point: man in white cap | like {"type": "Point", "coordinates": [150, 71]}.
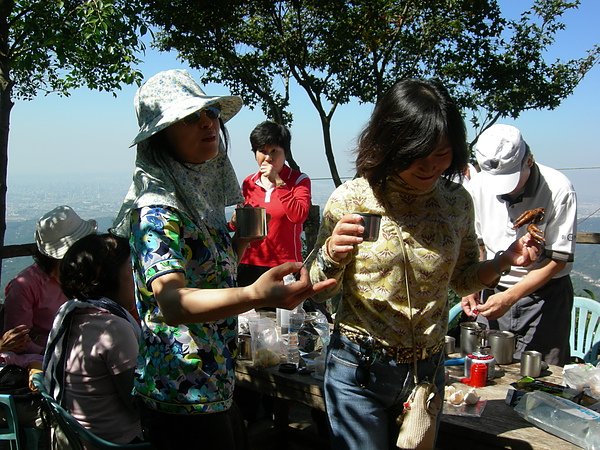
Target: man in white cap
{"type": "Point", "coordinates": [533, 302]}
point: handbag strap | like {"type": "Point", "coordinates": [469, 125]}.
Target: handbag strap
{"type": "Point", "coordinates": [410, 310]}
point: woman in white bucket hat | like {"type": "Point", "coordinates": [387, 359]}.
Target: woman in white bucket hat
{"type": "Point", "coordinates": [185, 265]}
{"type": "Point", "coordinates": [35, 294]}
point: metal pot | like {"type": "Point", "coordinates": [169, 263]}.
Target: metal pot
{"type": "Point", "coordinates": [472, 337]}
{"type": "Point", "coordinates": [502, 344]}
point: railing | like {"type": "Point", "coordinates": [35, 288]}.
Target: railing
{"type": "Point", "coordinates": [14, 251]}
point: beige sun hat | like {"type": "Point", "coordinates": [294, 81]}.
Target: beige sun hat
{"type": "Point", "coordinates": [170, 96]}
{"type": "Point", "coordinates": [60, 228]}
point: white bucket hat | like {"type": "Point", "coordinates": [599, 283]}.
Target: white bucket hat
{"type": "Point", "coordinates": [500, 151]}
{"type": "Point", "coordinates": [170, 96]}
{"type": "Point", "coordinates": [60, 228]}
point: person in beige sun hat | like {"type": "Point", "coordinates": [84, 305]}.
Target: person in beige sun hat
{"type": "Point", "coordinates": [35, 294]}
{"type": "Point", "coordinates": [185, 265]}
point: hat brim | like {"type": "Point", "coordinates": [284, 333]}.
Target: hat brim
{"type": "Point", "coordinates": [58, 248]}
{"type": "Point", "coordinates": [500, 184]}
{"type": "Point", "coordinates": [230, 106]}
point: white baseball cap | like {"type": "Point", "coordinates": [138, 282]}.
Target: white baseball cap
{"type": "Point", "coordinates": [500, 151]}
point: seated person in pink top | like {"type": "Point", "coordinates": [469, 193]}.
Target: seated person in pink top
{"type": "Point", "coordinates": [93, 346]}
{"type": "Point", "coordinates": [284, 192]}
{"type": "Point", "coordinates": [34, 295]}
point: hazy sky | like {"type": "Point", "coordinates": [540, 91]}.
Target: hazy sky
{"type": "Point", "coordinates": [89, 132]}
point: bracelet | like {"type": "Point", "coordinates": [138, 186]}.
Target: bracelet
{"type": "Point", "coordinates": [325, 262]}
{"type": "Point", "coordinates": [496, 264]}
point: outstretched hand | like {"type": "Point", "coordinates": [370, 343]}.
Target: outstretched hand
{"type": "Point", "coordinates": [274, 293]}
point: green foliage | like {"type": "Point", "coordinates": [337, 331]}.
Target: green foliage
{"type": "Point", "coordinates": [60, 45]}
{"type": "Point", "coordinates": [514, 76]}
{"type": "Point", "coordinates": [337, 50]}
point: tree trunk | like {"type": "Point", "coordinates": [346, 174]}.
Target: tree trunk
{"type": "Point", "coordinates": [6, 105]}
{"type": "Point", "coordinates": [326, 125]}
{"type": "Point", "coordinates": [311, 227]}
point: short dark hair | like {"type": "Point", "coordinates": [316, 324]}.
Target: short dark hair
{"type": "Point", "coordinates": [45, 262]}
{"type": "Point", "coordinates": [270, 133]}
{"type": "Point", "coordinates": [90, 268]}
{"type": "Point", "coordinates": [408, 123]}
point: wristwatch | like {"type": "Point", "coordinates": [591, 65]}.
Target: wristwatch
{"type": "Point", "coordinates": [496, 264]}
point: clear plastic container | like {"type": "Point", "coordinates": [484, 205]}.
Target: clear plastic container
{"type": "Point", "coordinates": [561, 417]}
{"type": "Point", "coordinates": [293, 351]}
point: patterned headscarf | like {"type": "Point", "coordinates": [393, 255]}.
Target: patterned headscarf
{"type": "Point", "coordinates": [202, 191]}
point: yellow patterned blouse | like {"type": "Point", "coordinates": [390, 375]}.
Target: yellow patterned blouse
{"type": "Point", "coordinates": [436, 229]}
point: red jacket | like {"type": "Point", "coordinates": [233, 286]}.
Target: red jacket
{"type": "Point", "coordinates": [287, 209]}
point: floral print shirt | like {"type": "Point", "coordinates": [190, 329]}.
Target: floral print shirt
{"type": "Point", "coordinates": [183, 369]}
{"type": "Point", "coordinates": [432, 230]}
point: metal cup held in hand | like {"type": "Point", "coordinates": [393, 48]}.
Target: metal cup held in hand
{"type": "Point", "coordinates": [251, 222]}
{"type": "Point", "coordinates": [371, 223]}
{"type": "Point", "coordinates": [531, 363]}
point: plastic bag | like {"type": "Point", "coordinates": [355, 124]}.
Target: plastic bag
{"type": "Point", "coordinates": [583, 377]}
{"type": "Point", "coordinates": [314, 333]}
{"type": "Point", "coordinates": [244, 320]}
{"type": "Point", "coordinates": [267, 346]}
{"type": "Point", "coordinates": [561, 417]}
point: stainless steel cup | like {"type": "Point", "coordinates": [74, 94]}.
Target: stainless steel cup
{"type": "Point", "coordinates": [371, 222]}
{"type": "Point", "coordinates": [245, 346]}
{"type": "Point", "coordinates": [449, 345]}
{"type": "Point", "coordinates": [531, 363]}
{"type": "Point", "coordinates": [251, 222]}
{"type": "Point", "coordinates": [502, 345]}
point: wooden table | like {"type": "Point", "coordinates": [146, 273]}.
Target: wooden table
{"type": "Point", "coordinates": [299, 388]}
{"type": "Point", "coordinates": [498, 427]}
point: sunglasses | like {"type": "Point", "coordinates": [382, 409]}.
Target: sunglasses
{"type": "Point", "coordinates": [212, 112]}
{"type": "Point", "coordinates": [362, 375]}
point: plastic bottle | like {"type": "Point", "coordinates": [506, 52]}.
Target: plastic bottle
{"type": "Point", "coordinates": [296, 319]}
{"type": "Point", "coordinates": [283, 315]}
{"type": "Point", "coordinates": [293, 351]}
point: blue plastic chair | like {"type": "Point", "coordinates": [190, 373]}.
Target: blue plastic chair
{"type": "Point", "coordinates": [11, 433]}
{"type": "Point", "coordinates": [454, 312]}
{"type": "Point", "coordinates": [585, 329]}
{"type": "Point", "coordinates": [78, 436]}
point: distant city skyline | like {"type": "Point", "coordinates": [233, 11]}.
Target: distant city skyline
{"type": "Point", "coordinates": [100, 201]}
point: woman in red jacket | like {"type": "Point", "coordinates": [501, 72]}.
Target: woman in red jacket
{"type": "Point", "coordinates": [284, 192]}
